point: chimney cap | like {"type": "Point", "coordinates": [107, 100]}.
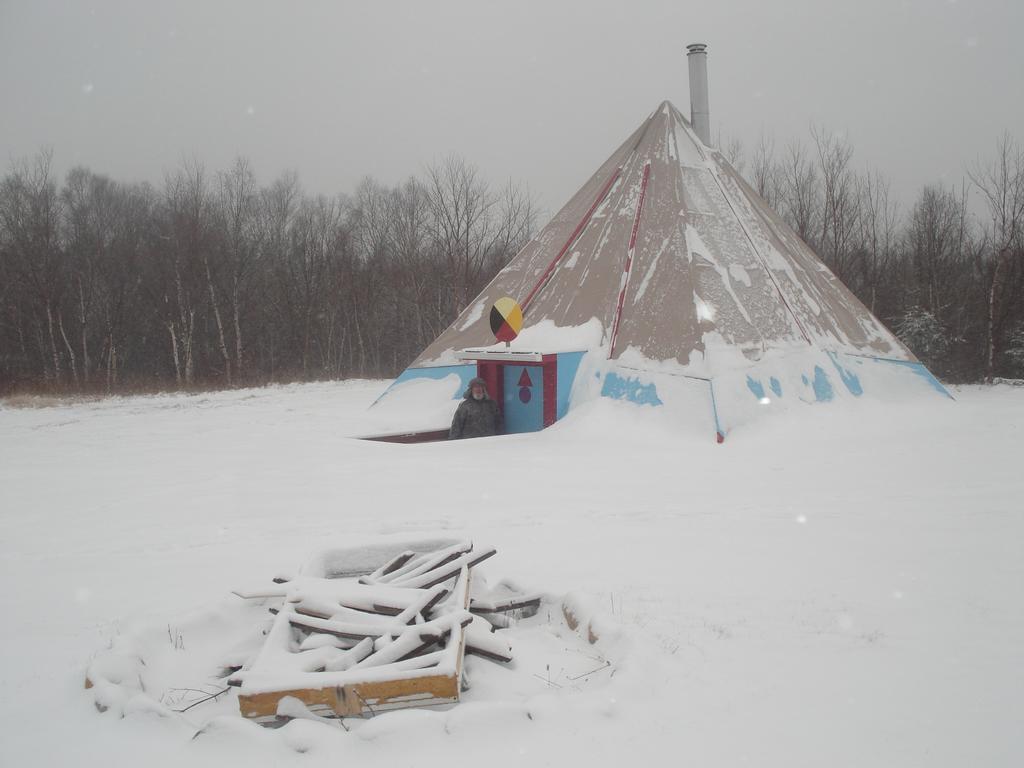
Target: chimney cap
{"type": "Point", "coordinates": [696, 48]}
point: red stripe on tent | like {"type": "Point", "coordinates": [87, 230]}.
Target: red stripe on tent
{"type": "Point", "coordinates": [629, 258]}
{"type": "Point", "coordinates": [572, 239]}
{"type": "Point", "coordinates": [639, 206]}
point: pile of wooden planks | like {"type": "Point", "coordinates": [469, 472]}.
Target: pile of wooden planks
{"type": "Point", "coordinates": [392, 638]}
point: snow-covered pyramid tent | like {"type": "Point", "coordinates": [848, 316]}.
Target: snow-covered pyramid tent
{"type": "Point", "coordinates": [666, 278]}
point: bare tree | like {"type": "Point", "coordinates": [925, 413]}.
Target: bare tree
{"type": "Point", "coordinates": [277, 209]}
{"type": "Point", "coordinates": [878, 233]}
{"type": "Point", "coordinates": [765, 171]}
{"type": "Point", "coordinates": [120, 277]}
{"type": "Point", "coordinates": [840, 208]}
{"type": "Point", "coordinates": [1001, 184]}
{"type": "Point", "coordinates": [30, 215]}
{"type": "Point", "coordinates": [315, 245]}
{"type": "Point", "coordinates": [413, 257]}
{"type": "Point", "coordinates": [238, 225]}
{"type": "Point", "coordinates": [473, 228]}
{"type": "Point", "coordinates": [92, 208]}
{"type": "Point", "coordinates": [800, 192]}
{"type": "Point", "coordinates": [462, 206]}
{"type": "Point", "coordinates": [186, 247]}
{"type": "Point", "coordinates": [934, 239]}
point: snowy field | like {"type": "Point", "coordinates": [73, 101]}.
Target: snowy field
{"type": "Point", "coordinates": [839, 586]}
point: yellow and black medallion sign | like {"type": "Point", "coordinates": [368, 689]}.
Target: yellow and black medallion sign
{"type": "Point", "coordinates": [506, 319]}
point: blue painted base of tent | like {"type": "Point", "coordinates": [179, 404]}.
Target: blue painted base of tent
{"type": "Point", "coordinates": [728, 400]}
{"type": "Point", "coordinates": [738, 397]}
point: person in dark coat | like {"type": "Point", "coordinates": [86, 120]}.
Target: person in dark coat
{"type": "Point", "coordinates": [477, 415]}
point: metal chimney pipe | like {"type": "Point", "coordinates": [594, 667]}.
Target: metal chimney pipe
{"type": "Point", "coordinates": [700, 114]}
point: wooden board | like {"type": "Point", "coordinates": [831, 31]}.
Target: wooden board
{"type": "Point", "coordinates": [369, 698]}
{"type": "Point", "coordinates": [358, 699]}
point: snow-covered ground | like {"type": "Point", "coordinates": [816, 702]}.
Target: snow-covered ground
{"type": "Point", "coordinates": [840, 586]}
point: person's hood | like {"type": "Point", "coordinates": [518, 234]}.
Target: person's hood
{"type": "Point", "coordinates": [468, 394]}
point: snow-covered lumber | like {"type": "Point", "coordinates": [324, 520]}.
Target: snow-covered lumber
{"type": "Point", "coordinates": [391, 565]}
{"type": "Point", "coordinates": [351, 657]}
{"type": "Point", "coordinates": [417, 565]}
{"type": "Point", "coordinates": [504, 606]}
{"type": "Point", "coordinates": [445, 571]}
{"type": "Point", "coordinates": [336, 628]}
{"type": "Point", "coordinates": [415, 639]}
{"type": "Point", "coordinates": [482, 640]}
{"type": "Point", "coordinates": [342, 648]}
{"type": "Point", "coordinates": [262, 591]}
{"type": "Point", "coordinates": [430, 598]}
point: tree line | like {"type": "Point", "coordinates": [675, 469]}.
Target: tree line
{"type": "Point", "coordinates": [214, 280]}
{"type": "Point", "coordinates": [211, 279]}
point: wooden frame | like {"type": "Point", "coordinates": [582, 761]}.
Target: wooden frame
{"type": "Point", "coordinates": [415, 679]}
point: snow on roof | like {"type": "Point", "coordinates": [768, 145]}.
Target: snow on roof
{"type": "Point", "coordinates": [711, 260]}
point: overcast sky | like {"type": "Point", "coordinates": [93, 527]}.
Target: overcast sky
{"type": "Point", "coordinates": [541, 92]}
